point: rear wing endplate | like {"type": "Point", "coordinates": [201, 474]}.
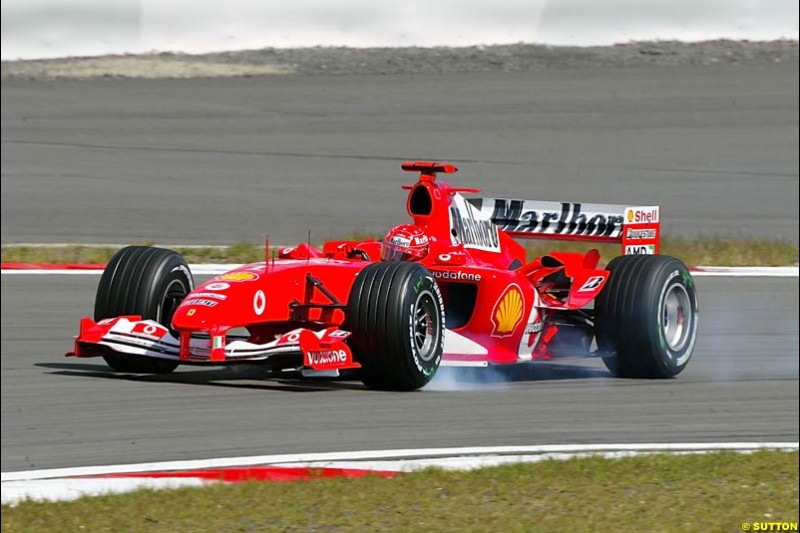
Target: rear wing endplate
{"type": "Point", "coordinates": [637, 228]}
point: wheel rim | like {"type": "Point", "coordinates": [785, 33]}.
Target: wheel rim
{"type": "Point", "coordinates": [173, 296]}
{"type": "Point", "coordinates": [676, 317]}
{"type": "Point", "coordinates": [424, 326]}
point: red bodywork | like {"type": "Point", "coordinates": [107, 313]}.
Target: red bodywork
{"type": "Point", "coordinates": [290, 312]}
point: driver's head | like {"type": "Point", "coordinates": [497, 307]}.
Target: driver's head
{"type": "Point", "coordinates": [406, 242]}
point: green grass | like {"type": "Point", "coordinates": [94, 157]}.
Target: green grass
{"type": "Point", "coordinates": [706, 251]}
{"type": "Point", "coordinates": [709, 493]}
{"type": "Point", "coordinates": [236, 253]}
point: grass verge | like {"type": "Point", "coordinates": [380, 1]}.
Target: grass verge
{"type": "Point", "coordinates": [714, 492]}
{"type": "Point", "coordinates": [708, 251]}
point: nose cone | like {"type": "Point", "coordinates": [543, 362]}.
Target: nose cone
{"type": "Point", "coordinates": [191, 318]}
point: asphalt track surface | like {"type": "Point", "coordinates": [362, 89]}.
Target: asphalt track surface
{"type": "Point", "coordinates": [741, 385]}
{"type": "Point", "coordinates": [226, 160]}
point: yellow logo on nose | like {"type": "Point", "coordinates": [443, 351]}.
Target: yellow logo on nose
{"type": "Point", "coordinates": [238, 276]}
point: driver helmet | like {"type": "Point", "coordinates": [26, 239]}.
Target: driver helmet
{"type": "Point", "coordinates": [406, 242]}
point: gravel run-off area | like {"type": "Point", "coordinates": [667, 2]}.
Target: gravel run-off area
{"type": "Point", "coordinates": [411, 60]}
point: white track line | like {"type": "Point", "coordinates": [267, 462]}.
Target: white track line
{"type": "Point", "coordinates": [218, 268]}
{"type": "Point", "coordinates": [48, 272]}
{"type": "Point", "coordinates": [14, 492]}
{"type": "Point", "coordinates": [411, 453]}
{"type": "Point", "coordinates": [776, 272]}
{"type": "Point", "coordinates": [114, 245]}
{"type": "Point", "coordinates": [62, 484]}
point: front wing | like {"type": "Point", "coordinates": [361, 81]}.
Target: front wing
{"type": "Point", "coordinates": [130, 335]}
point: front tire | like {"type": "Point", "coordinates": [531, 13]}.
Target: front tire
{"type": "Point", "coordinates": [647, 314]}
{"type": "Point", "coordinates": [146, 281]}
{"type": "Point", "coordinates": [396, 315]}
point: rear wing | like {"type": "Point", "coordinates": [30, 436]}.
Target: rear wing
{"type": "Point", "coordinates": [637, 228]}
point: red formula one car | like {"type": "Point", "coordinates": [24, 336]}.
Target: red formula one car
{"type": "Point", "coordinates": [453, 288]}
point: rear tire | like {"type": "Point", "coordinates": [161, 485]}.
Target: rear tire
{"type": "Point", "coordinates": [395, 312]}
{"type": "Point", "coordinates": [146, 281]}
{"type": "Point", "coordinates": [647, 314]}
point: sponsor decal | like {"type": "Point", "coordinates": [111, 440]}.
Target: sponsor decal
{"type": "Point", "coordinates": [293, 337]}
{"type": "Point", "coordinates": [327, 357]}
{"type": "Point", "coordinates": [238, 276]}
{"type": "Point", "coordinates": [219, 286]}
{"type": "Point", "coordinates": [144, 343]}
{"type": "Point", "coordinates": [430, 370]}
{"type": "Point", "coordinates": [591, 283]}
{"type": "Point", "coordinates": [200, 301]}
{"type": "Point", "coordinates": [456, 258]}
{"type": "Point", "coordinates": [259, 303]}
{"type": "Point", "coordinates": [339, 334]}
{"type": "Point", "coordinates": [470, 227]}
{"type": "Point", "coordinates": [507, 313]}
{"type": "Point", "coordinates": [551, 218]}
{"type": "Point", "coordinates": [191, 312]}
{"type": "Point", "coordinates": [418, 285]}
{"type": "Point", "coordinates": [532, 332]}
{"type": "Point", "coordinates": [213, 295]}
{"type": "Point", "coordinates": [399, 240]}
{"type": "Point", "coordinates": [639, 234]}
{"type": "Point", "coordinates": [456, 275]}
{"type": "Point", "coordinates": [536, 327]}
{"type": "Point", "coordinates": [530, 336]}
{"type": "Point", "coordinates": [642, 215]}
{"type": "Point", "coordinates": [647, 249]}
{"type": "Point", "coordinates": [151, 330]}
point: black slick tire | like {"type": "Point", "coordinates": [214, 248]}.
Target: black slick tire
{"type": "Point", "coordinates": [146, 281]}
{"type": "Point", "coordinates": [647, 316]}
{"type": "Point", "coordinates": [395, 312]}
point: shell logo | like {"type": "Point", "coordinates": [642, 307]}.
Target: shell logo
{"type": "Point", "coordinates": [630, 215]}
{"type": "Point", "coordinates": [238, 276]}
{"type": "Point", "coordinates": [508, 310]}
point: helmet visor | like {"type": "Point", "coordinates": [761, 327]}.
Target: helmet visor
{"type": "Point", "coordinates": [395, 252]}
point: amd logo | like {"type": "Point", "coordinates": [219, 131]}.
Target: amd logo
{"type": "Point", "coordinates": [640, 250]}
